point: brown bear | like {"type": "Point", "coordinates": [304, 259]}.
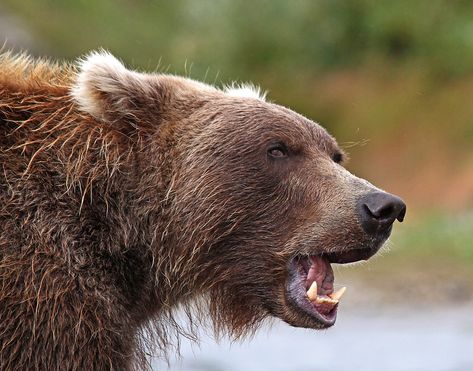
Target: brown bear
{"type": "Point", "coordinates": [124, 196]}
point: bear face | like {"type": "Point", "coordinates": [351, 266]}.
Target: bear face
{"type": "Point", "coordinates": [258, 204]}
{"type": "Point", "coordinates": [274, 192]}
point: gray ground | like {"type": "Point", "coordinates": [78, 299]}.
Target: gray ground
{"type": "Point", "coordinates": [377, 338]}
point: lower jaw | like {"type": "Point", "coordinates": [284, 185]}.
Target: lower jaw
{"type": "Point", "coordinates": [308, 318]}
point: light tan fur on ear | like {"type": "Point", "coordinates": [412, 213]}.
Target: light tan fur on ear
{"type": "Point", "coordinates": [105, 88]}
{"type": "Point", "coordinates": [130, 100]}
{"type": "Point", "coordinates": [100, 73]}
{"type": "Point", "coordinates": [245, 90]}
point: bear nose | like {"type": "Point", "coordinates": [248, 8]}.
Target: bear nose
{"type": "Point", "coordinates": [379, 210]}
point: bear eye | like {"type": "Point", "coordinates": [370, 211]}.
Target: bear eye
{"type": "Point", "coordinates": [277, 151]}
{"type": "Point", "coordinates": [337, 157]}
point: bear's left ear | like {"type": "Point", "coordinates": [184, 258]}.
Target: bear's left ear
{"type": "Point", "coordinates": [105, 89]}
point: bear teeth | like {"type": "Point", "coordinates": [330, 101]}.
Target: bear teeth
{"type": "Point", "coordinates": [325, 300]}
{"type": "Point", "coordinates": [332, 299]}
{"type": "Point", "coordinates": [338, 294]}
{"type": "Point", "coordinates": [312, 292]}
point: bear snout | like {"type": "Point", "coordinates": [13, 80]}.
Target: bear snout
{"type": "Point", "coordinates": [377, 211]}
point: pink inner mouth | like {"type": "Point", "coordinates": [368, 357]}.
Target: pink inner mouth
{"type": "Point", "coordinates": [310, 289]}
{"type": "Point", "coordinates": [319, 270]}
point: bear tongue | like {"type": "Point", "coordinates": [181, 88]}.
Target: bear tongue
{"type": "Point", "coordinates": [321, 272]}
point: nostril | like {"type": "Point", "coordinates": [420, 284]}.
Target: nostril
{"type": "Point", "coordinates": [367, 211]}
{"type": "Point", "coordinates": [370, 213]}
{"type": "Point", "coordinates": [379, 210]}
{"type": "Point", "coordinates": [386, 212]}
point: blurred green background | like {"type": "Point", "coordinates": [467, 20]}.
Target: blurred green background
{"type": "Point", "coordinates": [392, 80]}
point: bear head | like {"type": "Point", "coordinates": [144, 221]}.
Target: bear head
{"type": "Point", "coordinates": [251, 203]}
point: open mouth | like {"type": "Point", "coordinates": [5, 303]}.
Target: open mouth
{"type": "Point", "coordinates": [311, 283]}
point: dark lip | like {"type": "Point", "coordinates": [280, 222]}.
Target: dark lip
{"type": "Point", "coordinates": [358, 254]}
{"type": "Point", "coordinates": [350, 256]}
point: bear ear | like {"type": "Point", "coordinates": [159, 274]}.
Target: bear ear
{"type": "Point", "coordinates": [108, 91]}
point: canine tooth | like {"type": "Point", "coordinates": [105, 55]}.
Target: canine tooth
{"type": "Point", "coordinates": [312, 292]}
{"type": "Point", "coordinates": [338, 294]}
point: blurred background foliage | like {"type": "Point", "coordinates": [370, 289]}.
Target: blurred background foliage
{"type": "Point", "coordinates": [392, 80]}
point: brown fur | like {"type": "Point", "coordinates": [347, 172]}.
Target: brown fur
{"type": "Point", "coordinates": [159, 197]}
